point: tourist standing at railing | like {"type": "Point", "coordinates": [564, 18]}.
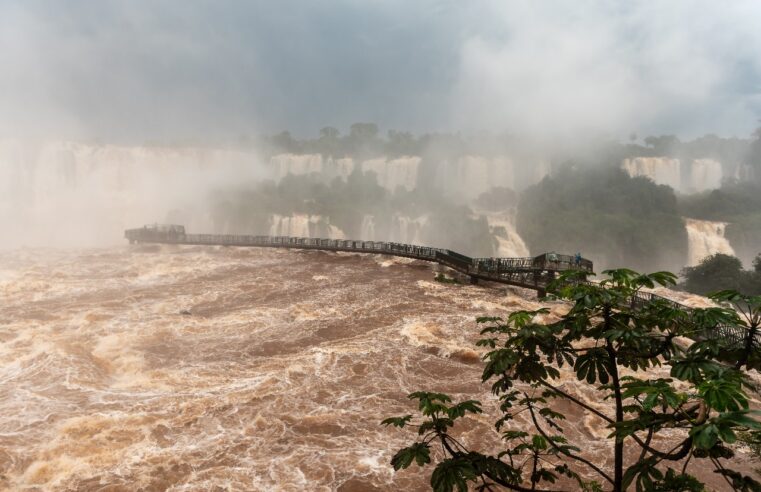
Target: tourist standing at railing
{"type": "Point", "coordinates": [578, 260]}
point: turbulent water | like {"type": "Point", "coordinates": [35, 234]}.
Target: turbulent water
{"type": "Point", "coordinates": [706, 238]}
{"type": "Point", "coordinates": [190, 368]}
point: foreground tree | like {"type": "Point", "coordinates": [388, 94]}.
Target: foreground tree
{"type": "Point", "coordinates": [612, 340]}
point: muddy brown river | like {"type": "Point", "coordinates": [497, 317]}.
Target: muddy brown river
{"type": "Point", "coordinates": [210, 368]}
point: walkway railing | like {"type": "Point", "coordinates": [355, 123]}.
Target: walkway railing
{"type": "Point", "coordinates": [529, 272]}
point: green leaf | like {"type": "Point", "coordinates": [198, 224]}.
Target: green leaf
{"type": "Point", "coordinates": [453, 473]}
{"type": "Point", "coordinates": [397, 421]}
{"type": "Point", "coordinates": [459, 410]}
{"type": "Point", "coordinates": [419, 453]}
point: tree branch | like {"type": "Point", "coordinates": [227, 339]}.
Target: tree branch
{"type": "Point", "coordinates": [566, 453]}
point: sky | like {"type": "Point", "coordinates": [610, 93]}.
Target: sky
{"type": "Point", "coordinates": [143, 70]}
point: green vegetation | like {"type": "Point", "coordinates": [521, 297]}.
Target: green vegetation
{"type": "Point", "coordinates": [701, 407]}
{"type": "Point", "coordinates": [607, 216]}
{"type": "Point", "coordinates": [722, 272]}
{"type": "Point", "coordinates": [739, 204]}
{"type": "Point", "coordinates": [346, 203]}
{"type": "Point", "coordinates": [440, 277]}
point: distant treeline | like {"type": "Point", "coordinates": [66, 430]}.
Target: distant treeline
{"type": "Point", "coordinates": [366, 140]}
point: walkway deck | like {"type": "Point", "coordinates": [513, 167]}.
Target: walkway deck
{"type": "Point", "coordinates": [529, 272]}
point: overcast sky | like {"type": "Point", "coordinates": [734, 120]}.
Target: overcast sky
{"type": "Point", "coordinates": [153, 70]}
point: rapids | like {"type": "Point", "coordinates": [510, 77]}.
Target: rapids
{"type": "Point", "coordinates": [212, 368]}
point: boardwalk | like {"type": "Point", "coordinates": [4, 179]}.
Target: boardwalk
{"type": "Point", "coordinates": [530, 272]}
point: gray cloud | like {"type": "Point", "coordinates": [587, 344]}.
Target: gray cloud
{"type": "Point", "coordinates": [138, 70]}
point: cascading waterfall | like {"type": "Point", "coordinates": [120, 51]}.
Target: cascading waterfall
{"type": "Point", "coordinates": [390, 173]}
{"type": "Point", "coordinates": [686, 177]}
{"type": "Point", "coordinates": [407, 230]}
{"type": "Point", "coordinates": [66, 193]}
{"type": "Point", "coordinates": [509, 242]}
{"type": "Point", "coordinates": [303, 164]}
{"type": "Point", "coordinates": [300, 225]}
{"type": "Point", "coordinates": [469, 176]}
{"type": "Point", "coordinates": [662, 170]}
{"type": "Point", "coordinates": [706, 238]}
{"type": "Point", "coordinates": [705, 174]}
{"type": "Point", "coordinates": [367, 232]}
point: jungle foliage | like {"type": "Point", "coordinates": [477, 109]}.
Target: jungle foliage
{"type": "Point", "coordinates": [721, 272]}
{"type": "Point", "coordinates": [346, 203]}
{"type": "Point", "coordinates": [607, 216]}
{"type": "Point", "coordinates": [612, 347]}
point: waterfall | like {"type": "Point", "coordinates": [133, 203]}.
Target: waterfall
{"type": "Point", "coordinates": [304, 164]}
{"type": "Point", "coordinates": [509, 243]}
{"type": "Point", "coordinates": [394, 173]}
{"type": "Point", "coordinates": [368, 228]}
{"type": "Point", "coordinates": [686, 177]}
{"type": "Point", "coordinates": [705, 174]}
{"type": "Point", "coordinates": [58, 193]}
{"type": "Point", "coordinates": [469, 176]}
{"type": "Point", "coordinates": [390, 174]}
{"type": "Point", "coordinates": [661, 170]}
{"type": "Point", "coordinates": [297, 164]}
{"type": "Point", "coordinates": [407, 230]}
{"type": "Point", "coordinates": [300, 225]}
{"type": "Point", "coordinates": [705, 238]}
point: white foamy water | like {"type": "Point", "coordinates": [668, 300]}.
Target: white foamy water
{"type": "Point", "coordinates": [192, 368]}
{"type": "Point", "coordinates": [509, 242]}
{"type": "Point", "coordinates": [705, 238]}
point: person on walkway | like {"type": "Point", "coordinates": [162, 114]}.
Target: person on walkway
{"type": "Point", "coordinates": [578, 260]}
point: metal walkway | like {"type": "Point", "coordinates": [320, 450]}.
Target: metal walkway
{"type": "Point", "coordinates": [530, 273]}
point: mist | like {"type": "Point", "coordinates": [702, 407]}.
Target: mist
{"type": "Point", "coordinates": [141, 71]}
{"type": "Point", "coordinates": [116, 114]}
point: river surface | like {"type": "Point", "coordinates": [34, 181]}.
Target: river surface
{"type": "Point", "coordinates": [210, 368]}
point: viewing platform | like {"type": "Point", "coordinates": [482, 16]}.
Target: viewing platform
{"type": "Point", "coordinates": [528, 272]}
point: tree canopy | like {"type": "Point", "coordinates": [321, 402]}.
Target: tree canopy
{"type": "Point", "coordinates": [722, 272]}
{"type": "Point", "coordinates": [606, 215]}
{"type": "Point", "coordinates": [612, 344]}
